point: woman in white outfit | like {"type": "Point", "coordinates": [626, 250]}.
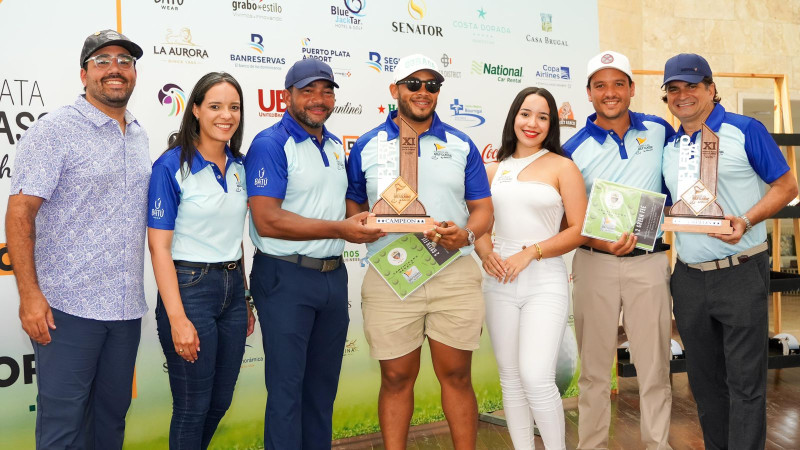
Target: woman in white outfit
{"type": "Point", "coordinates": [539, 203]}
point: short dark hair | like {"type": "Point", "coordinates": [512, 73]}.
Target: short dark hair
{"type": "Point", "coordinates": [189, 132]}
{"type": "Point", "coordinates": [551, 142]}
{"type": "Point", "coordinates": [708, 81]}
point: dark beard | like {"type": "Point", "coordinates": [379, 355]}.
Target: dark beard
{"type": "Point", "coordinates": [405, 110]}
{"type": "Point", "coordinates": [301, 116]}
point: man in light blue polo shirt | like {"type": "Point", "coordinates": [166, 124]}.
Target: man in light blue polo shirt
{"type": "Point", "coordinates": [449, 308]}
{"type": "Point", "coordinates": [720, 283]}
{"type": "Point", "coordinates": [624, 147]}
{"type": "Point", "coordinates": [296, 183]}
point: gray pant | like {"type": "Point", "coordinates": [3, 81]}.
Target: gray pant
{"type": "Point", "coordinates": [722, 319]}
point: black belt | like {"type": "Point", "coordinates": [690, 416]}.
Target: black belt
{"type": "Point", "coordinates": [659, 246]}
{"type": "Point", "coordinates": [230, 265]}
{"type": "Point", "coordinates": [322, 265]}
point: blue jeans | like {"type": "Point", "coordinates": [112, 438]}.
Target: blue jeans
{"type": "Point", "coordinates": [85, 377]}
{"type": "Point", "coordinates": [214, 302]}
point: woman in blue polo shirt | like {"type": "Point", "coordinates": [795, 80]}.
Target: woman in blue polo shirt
{"type": "Point", "coordinates": [197, 209]}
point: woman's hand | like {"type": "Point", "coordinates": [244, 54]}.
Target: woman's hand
{"type": "Point", "coordinates": [251, 320]}
{"type": "Point", "coordinates": [493, 265]}
{"type": "Point", "coordinates": [515, 264]}
{"type": "Point", "coordinates": [184, 338]}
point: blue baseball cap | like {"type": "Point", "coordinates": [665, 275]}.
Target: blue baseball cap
{"type": "Point", "coordinates": [687, 67]}
{"type": "Point", "coordinates": [307, 71]}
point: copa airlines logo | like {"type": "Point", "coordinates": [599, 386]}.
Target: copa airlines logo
{"type": "Point", "coordinates": [380, 64]}
{"type": "Point", "coordinates": [173, 98]}
{"type": "Point", "coordinates": [503, 73]}
{"type": "Point", "coordinates": [417, 10]}
{"type": "Point", "coordinates": [5, 261]}
{"type": "Point", "coordinates": [469, 115]}
{"type": "Point", "coordinates": [552, 75]}
{"type": "Point", "coordinates": [481, 28]}
{"type": "Point", "coordinates": [179, 47]}
{"type": "Point", "coordinates": [256, 58]}
{"type": "Point", "coordinates": [261, 180]}
{"type": "Point", "coordinates": [351, 17]}
{"type": "Point", "coordinates": [566, 118]}
{"type": "Point", "coordinates": [272, 104]}
{"type": "Point", "coordinates": [257, 9]}
{"type": "Point", "coordinates": [167, 5]}
{"type": "Point", "coordinates": [157, 212]}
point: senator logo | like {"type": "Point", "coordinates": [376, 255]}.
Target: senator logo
{"type": "Point", "coordinates": [503, 73]}
{"type": "Point", "coordinates": [380, 64]}
{"type": "Point", "coordinates": [172, 97]}
{"type": "Point", "coordinates": [272, 103]}
{"type": "Point", "coordinates": [469, 115]}
{"type": "Point", "coordinates": [167, 5]}
{"type": "Point", "coordinates": [417, 10]}
{"type": "Point", "coordinates": [255, 58]}
{"type": "Point", "coordinates": [349, 17]}
{"type": "Point", "coordinates": [179, 47]}
{"type": "Point", "coordinates": [566, 118]}
{"type": "Point", "coordinates": [5, 261]}
{"type": "Point", "coordinates": [257, 10]}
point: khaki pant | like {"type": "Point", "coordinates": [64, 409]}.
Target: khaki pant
{"type": "Point", "coordinates": [639, 286]}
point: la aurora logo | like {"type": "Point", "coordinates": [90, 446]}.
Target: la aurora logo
{"type": "Point", "coordinates": [179, 47]}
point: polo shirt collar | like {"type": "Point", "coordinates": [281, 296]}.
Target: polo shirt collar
{"type": "Point", "coordinates": [199, 163]}
{"type": "Point", "coordinates": [599, 134]}
{"type": "Point", "coordinates": [299, 134]}
{"type": "Point", "coordinates": [97, 117]}
{"type": "Point", "coordinates": [714, 120]}
{"type": "Point", "coordinates": [437, 127]}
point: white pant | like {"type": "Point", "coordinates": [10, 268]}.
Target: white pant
{"type": "Point", "coordinates": [526, 320]}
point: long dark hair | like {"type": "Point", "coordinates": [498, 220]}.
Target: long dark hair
{"type": "Point", "coordinates": [551, 142]}
{"type": "Point", "coordinates": [189, 133]}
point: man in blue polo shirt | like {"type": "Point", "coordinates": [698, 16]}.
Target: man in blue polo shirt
{"type": "Point", "coordinates": [720, 283]}
{"type": "Point", "coordinates": [448, 309]}
{"type": "Point", "coordinates": [624, 147]}
{"type": "Point", "coordinates": [296, 183]}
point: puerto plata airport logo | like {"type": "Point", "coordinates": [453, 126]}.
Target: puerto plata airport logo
{"type": "Point", "coordinates": [257, 9]}
{"type": "Point", "coordinates": [172, 97]}
{"type": "Point", "coordinates": [168, 5]}
{"type": "Point", "coordinates": [157, 212]}
{"type": "Point", "coordinates": [179, 47]}
{"type": "Point", "coordinates": [381, 64]}
{"type": "Point", "coordinates": [255, 58]}
{"type": "Point", "coordinates": [566, 118]}
{"type": "Point", "coordinates": [261, 179]}
{"type": "Point", "coordinates": [480, 27]}
{"type": "Point", "coordinates": [503, 73]}
{"type": "Point", "coordinates": [468, 115]}
{"type": "Point", "coordinates": [334, 57]}
{"type": "Point", "coordinates": [350, 15]}
{"type": "Point", "coordinates": [417, 10]}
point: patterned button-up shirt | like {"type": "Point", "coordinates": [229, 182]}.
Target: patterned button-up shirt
{"type": "Point", "coordinates": [90, 228]}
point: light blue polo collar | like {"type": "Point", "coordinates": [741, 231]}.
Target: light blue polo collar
{"type": "Point", "coordinates": [199, 163]}
{"type": "Point", "coordinates": [599, 134]}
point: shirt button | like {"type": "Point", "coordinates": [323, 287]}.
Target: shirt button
{"type": "Point", "coordinates": [218, 177]}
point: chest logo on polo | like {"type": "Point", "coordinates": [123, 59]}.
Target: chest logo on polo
{"type": "Point", "coordinates": [339, 162]}
{"type": "Point", "coordinates": [504, 177]}
{"type": "Point", "coordinates": [261, 180]}
{"type": "Point", "coordinates": [238, 182]}
{"type": "Point", "coordinates": [643, 146]}
{"type": "Point", "coordinates": [157, 212]}
{"type": "Point", "coordinates": [440, 152]}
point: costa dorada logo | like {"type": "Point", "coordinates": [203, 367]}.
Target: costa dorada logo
{"type": "Point", "coordinates": [157, 212]}
{"type": "Point", "coordinates": [390, 106]}
{"type": "Point", "coordinates": [503, 73]}
{"type": "Point", "coordinates": [447, 61]}
{"type": "Point", "coordinates": [348, 108]}
{"type": "Point", "coordinates": [347, 143]}
{"type": "Point", "coordinates": [566, 118]}
{"type": "Point", "coordinates": [257, 10]}
{"type": "Point", "coordinates": [547, 22]}
{"type": "Point", "coordinates": [272, 104]}
{"type": "Point", "coordinates": [349, 17]}
{"type": "Point", "coordinates": [554, 75]}
{"type": "Point", "coordinates": [19, 101]}
{"type": "Point", "coordinates": [481, 29]}
{"type": "Point", "coordinates": [173, 98]}
{"type": "Point", "coordinates": [168, 5]}
{"type": "Point", "coordinates": [5, 261]}
{"type": "Point", "coordinates": [469, 115]}
{"type": "Point", "coordinates": [261, 179]}
{"type": "Point", "coordinates": [256, 58]}
{"type": "Point", "coordinates": [179, 47]}
{"type": "Point", "coordinates": [417, 10]}
{"type": "Point", "coordinates": [489, 154]}
{"type": "Point", "coordinates": [379, 64]}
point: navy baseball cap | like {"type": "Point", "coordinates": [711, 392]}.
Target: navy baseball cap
{"type": "Point", "coordinates": [307, 71]}
{"type": "Point", "coordinates": [104, 38]}
{"type": "Point", "coordinates": [687, 67]}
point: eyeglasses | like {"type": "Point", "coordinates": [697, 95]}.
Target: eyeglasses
{"type": "Point", "coordinates": [104, 61]}
{"type": "Point", "coordinates": [414, 85]}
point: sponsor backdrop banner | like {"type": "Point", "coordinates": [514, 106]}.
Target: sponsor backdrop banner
{"type": "Point", "coordinates": [486, 51]}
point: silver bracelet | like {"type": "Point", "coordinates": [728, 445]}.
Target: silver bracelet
{"type": "Point", "coordinates": [747, 224]}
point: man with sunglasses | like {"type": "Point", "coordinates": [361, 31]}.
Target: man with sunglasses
{"type": "Point", "coordinates": [75, 224]}
{"type": "Point", "coordinates": [449, 308]}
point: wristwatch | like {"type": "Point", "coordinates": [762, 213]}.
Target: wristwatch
{"type": "Point", "coordinates": [748, 226]}
{"type": "Point", "coordinates": [470, 236]}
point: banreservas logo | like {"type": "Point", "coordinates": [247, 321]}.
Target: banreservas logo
{"type": "Point", "coordinates": [379, 64]}
{"type": "Point", "coordinates": [257, 59]}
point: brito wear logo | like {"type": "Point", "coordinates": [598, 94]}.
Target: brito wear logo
{"type": "Point", "coordinates": [157, 212]}
{"type": "Point", "coordinates": [172, 97]}
{"type": "Point", "coordinates": [261, 180]}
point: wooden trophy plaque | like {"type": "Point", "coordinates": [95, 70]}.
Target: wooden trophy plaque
{"type": "Point", "coordinates": [399, 208]}
{"type": "Point", "coordinates": [697, 210]}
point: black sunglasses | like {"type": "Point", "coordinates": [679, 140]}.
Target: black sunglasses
{"type": "Point", "coordinates": [414, 85]}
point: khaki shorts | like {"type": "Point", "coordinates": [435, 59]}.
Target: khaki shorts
{"type": "Point", "coordinates": [448, 309]}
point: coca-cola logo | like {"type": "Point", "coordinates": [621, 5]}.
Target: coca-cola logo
{"type": "Point", "coordinates": [489, 154]}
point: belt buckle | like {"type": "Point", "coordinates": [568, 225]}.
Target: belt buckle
{"type": "Point", "coordinates": [329, 264]}
{"type": "Point", "coordinates": [231, 266]}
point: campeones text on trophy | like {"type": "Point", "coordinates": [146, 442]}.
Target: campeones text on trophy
{"type": "Point", "coordinates": [399, 208]}
{"type": "Point", "coordinates": [697, 210]}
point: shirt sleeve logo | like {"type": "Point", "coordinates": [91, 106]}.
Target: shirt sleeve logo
{"type": "Point", "coordinates": [261, 181]}
{"type": "Point", "coordinates": [157, 212]}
